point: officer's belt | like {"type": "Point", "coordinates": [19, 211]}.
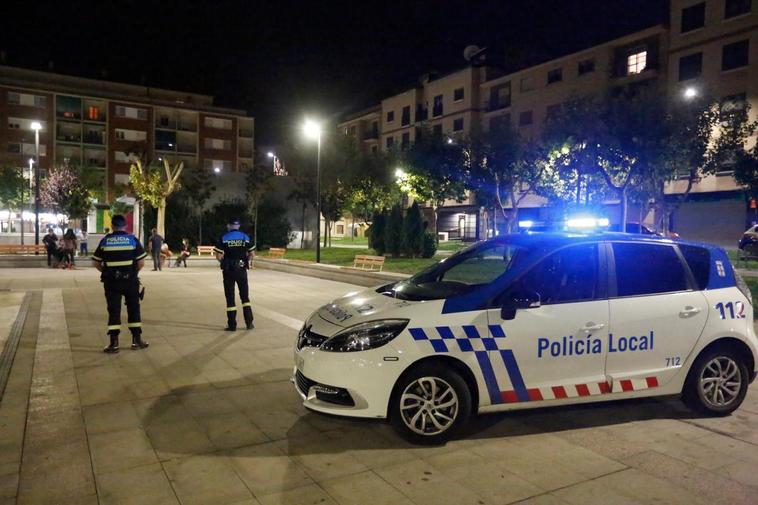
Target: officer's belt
{"type": "Point", "coordinates": [119, 263]}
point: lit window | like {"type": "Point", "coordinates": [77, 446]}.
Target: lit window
{"type": "Point", "coordinates": [636, 62]}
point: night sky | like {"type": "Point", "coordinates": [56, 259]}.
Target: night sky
{"type": "Point", "coordinates": [281, 60]}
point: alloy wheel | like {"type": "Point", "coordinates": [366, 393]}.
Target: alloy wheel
{"type": "Point", "coordinates": [429, 406]}
{"type": "Point", "coordinates": [720, 381]}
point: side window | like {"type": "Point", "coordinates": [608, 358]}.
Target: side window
{"type": "Point", "coordinates": [569, 275]}
{"type": "Point", "coordinates": [645, 269]}
{"type": "Point", "coordinates": [699, 260]}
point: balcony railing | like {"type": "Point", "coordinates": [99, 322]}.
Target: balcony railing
{"type": "Point", "coordinates": [246, 153]}
{"type": "Point", "coordinates": [62, 137]}
{"type": "Point", "coordinates": [246, 133]}
{"type": "Point", "coordinates": [437, 111]}
{"type": "Point", "coordinates": [165, 123]}
{"type": "Point", "coordinates": [491, 105]}
{"type": "Point", "coordinates": [371, 135]}
{"type": "Point", "coordinates": [93, 138]}
{"type": "Point", "coordinates": [186, 127]}
{"type": "Point", "coordinates": [186, 148]}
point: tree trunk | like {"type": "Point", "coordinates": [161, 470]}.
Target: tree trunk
{"type": "Point", "coordinates": [624, 210]}
{"type": "Point", "coordinates": [352, 229]}
{"type": "Point", "coordinates": [434, 222]}
{"type": "Point", "coordinates": [326, 230]}
{"type": "Point", "coordinates": [161, 224]}
{"type": "Point", "coordinates": [302, 236]}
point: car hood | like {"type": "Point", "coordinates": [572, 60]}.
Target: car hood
{"type": "Point", "coordinates": [358, 307]}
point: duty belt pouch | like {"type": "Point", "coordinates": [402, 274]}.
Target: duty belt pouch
{"type": "Point", "coordinates": [118, 275]}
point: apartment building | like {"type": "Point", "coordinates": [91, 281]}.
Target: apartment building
{"type": "Point", "coordinates": [87, 122]}
{"type": "Point", "coordinates": [707, 46]}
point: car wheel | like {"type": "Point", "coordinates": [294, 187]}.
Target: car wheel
{"type": "Point", "coordinates": [430, 404]}
{"type": "Point", "coordinates": [717, 382]}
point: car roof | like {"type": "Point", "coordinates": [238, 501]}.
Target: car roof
{"type": "Point", "coordinates": [553, 240]}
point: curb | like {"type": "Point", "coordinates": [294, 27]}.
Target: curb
{"type": "Point", "coordinates": [329, 272]}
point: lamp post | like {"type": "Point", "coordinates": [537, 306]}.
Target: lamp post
{"type": "Point", "coordinates": [312, 130]}
{"type": "Point", "coordinates": [36, 126]}
{"type": "Point", "coordinates": [23, 196]}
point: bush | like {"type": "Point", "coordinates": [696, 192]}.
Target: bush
{"type": "Point", "coordinates": [413, 231]}
{"type": "Point", "coordinates": [430, 246]}
{"type": "Point", "coordinates": [274, 229]}
{"type": "Point", "coordinates": [393, 233]}
{"type": "Point", "coordinates": [375, 232]}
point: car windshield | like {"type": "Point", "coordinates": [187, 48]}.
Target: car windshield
{"type": "Point", "coordinates": [466, 270]}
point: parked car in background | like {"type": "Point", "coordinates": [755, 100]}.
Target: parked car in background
{"type": "Point", "coordinates": [749, 241]}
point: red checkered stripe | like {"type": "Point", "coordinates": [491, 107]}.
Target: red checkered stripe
{"type": "Point", "coordinates": [580, 390]}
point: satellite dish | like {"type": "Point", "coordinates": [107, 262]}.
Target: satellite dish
{"type": "Point", "coordinates": [471, 52]}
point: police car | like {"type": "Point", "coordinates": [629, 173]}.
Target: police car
{"type": "Point", "coordinates": [533, 320]}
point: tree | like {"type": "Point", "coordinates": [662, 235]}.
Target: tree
{"type": "Point", "coordinates": [304, 192]}
{"type": "Point", "coordinates": [413, 231]}
{"type": "Point", "coordinates": [732, 150]}
{"type": "Point", "coordinates": [11, 188]}
{"type": "Point", "coordinates": [200, 186]}
{"type": "Point", "coordinates": [256, 183]}
{"type": "Point", "coordinates": [154, 186]}
{"type": "Point", "coordinates": [275, 229]}
{"type": "Point", "coordinates": [376, 232]}
{"type": "Point", "coordinates": [338, 167]}
{"type": "Point", "coordinates": [63, 191]}
{"type": "Point", "coordinates": [393, 231]}
{"type": "Point", "coordinates": [437, 171]}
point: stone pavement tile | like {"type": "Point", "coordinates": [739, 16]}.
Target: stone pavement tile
{"type": "Point", "coordinates": [268, 396]}
{"type": "Point", "coordinates": [119, 450]}
{"type": "Point", "coordinates": [226, 377]}
{"type": "Point", "coordinates": [143, 485]}
{"type": "Point", "coordinates": [206, 479]}
{"type": "Point", "coordinates": [103, 392]}
{"type": "Point", "coordinates": [487, 478]}
{"type": "Point", "coordinates": [231, 430]}
{"type": "Point", "coordinates": [306, 495]}
{"type": "Point", "coordinates": [526, 456]}
{"type": "Point", "coordinates": [706, 484]}
{"type": "Point", "coordinates": [602, 441]}
{"type": "Point", "coordinates": [545, 499]}
{"type": "Point", "coordinates": [740, 424]}
{"type": "Point", "coordinates": [8, 485]}
{"type": "Point", "coordinates": [626, 487]}
{"type": "Point", "coordinates": [97, 374]}
{"type": "Point", "coordinates": [59, 474]}
{"type": "Point", "coordinates": [320, 457]}
{"type": "Point", "coordinates": [737, 449]}
{"type": "Point", "coordinates": [265, 469]}
{"type": "Point", "coordinates": [147, 387]}
{"type": "Point", "coordinates": [68, 427]}
{"type": "Point", "coordinates": [369, 445]}
{"type": "Point", "coordinates": [279, 424]}
{"type": "Point", "coordinates": [205, 404]}
{"type": "Point", "coordinates": [742, 473]}
{"type": "Point", "coordinates": [425, 485]}
{"type": "Point", "coordinates": [107, 417]}
{"type": "Point", "coordinates": [363, 488]}
{"type": "Point", "coordinates": [693, 453]}
{"type": "Point", "coordinates": [162, 410]}
{"type": "Point", "coordinates": [178, 439]}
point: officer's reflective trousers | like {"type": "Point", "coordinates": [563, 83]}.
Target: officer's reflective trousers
{"type": "Point", "coordinates": [237, 276]}
{"type": "Point", "coordinates": [129, 290]}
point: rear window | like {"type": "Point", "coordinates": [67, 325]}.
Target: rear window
{"type": "Point", "coordinates": [699, 260]}
{"type": "Point", "coordinates": [646, 269]}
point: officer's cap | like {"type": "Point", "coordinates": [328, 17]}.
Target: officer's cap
{"type": "Point", "coordinates": [118, 221]}
{"type": "Point", "coordinates": [235, 221]}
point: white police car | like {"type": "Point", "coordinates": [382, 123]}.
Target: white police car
{"type": "Point", "coordinates": [523, 321]}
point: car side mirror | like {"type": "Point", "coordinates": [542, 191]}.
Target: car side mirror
{"type": "Point", "coordinates": [519, 300]}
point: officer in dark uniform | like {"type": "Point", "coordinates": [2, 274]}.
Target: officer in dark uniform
{"type": "Point", "coordinates": [234, 250]}
{"type": "Point", "coordinates": [119, 257]}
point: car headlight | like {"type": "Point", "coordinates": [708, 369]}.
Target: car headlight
{"type": "Point", "coordinates": [364, 336]}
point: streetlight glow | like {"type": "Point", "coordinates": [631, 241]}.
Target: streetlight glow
{"type": "Point", "coordinates": [270, 154]}
{"type": "Point", "coordinates": [399, 173]}
{"type": "Point", "coordinates": [690, 92]}
{"type": "Point", "coordinates": [312, 129]}
{"type": "Point", "coordinates": [36, 126]}
{"type": "Point", "coordinates": [217, 169]}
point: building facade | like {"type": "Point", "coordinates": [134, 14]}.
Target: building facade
{"type": "Point", "coordinates": [707, 46]}
{"type": "Point", "coordinates": [99, 124]}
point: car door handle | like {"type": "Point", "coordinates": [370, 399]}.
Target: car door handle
{"type": "Point", "coordinates": [689, 311]}
{"type": "Point", "coordinates": [592, 326]}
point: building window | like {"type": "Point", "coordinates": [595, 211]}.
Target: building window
{"type": "Point", "coordinates": [390, 142]}
{"type": "Point", "coordinates": [527, 84]}
{"type": "Point", "coordinates": [131, 112]}
{"type": "Point", "coordinates": [734, 8]}
{"type": "Point", "coordinates": [437, 106]}
{"type": "Point", "coordinates": [218, 122]}
{"type": "Point", "coordinates": [732, 103]}
{"type": "Point", "coordinates": [458, 124]}
{"type": "Point", "coordinates": [405, 116]}
{"type": "Point", "coordinates": [735, 55]}
{"type": "Point", "coordinates": [690, 66]}
{"type": "Point", "coordinates": [405, 140]}
{"type": "Point", "coordinates": [636, 61]}
{"type": "Point", "coordinates": [27, 99]}
{"type": "Point", "coordinates": [555, 75]}
{"type": "Point", "coordinates": [458, 95]}
{"type": "Point", "coordinates": [693, 17]}
{"type": "Point", "coordinates": [437, 130]}
{"type": "Point", "coordinates": [390, 116]}
{"type": "Point", "coordinates": [586, 66]}
{"type": "Point", "coordinates": [14, 123]}
{"type": "Point", "coordinates": [500, 122]}
{"type": "Point", "coordinates": [218, 144]}
{"type": "Point", "coordinates": [525, 118]}
{"type": "Point", "coordinates": [500, 96]}
{"type": "Point", "coordinates": [132, 135]}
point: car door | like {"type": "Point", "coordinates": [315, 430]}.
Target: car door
{"type": "Point", "coordinates": [553, 349]}
{"type": "Point", "coordinates": [656, 312]}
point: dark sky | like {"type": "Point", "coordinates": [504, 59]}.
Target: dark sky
{"type": "Point", "coordinates": [281, 60]}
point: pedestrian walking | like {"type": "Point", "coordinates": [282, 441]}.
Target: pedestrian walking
{"type": "Point", "coordinates": [154, 244]}
{"type": "Point", "coordinates": [119, 257]}
{"type": "Point", "coordinates": [69, 248]}
{"type": "Point", "coordinates": [51, 245]}
{"type": "Point", "coordinates": [183, 253]}
{"type": "Point", "coordinates": [234, 251]}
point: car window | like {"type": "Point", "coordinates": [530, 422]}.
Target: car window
{"type": "Point", "coordinates": [481, 268]}
{"type": "Point", "coordinates": [644, 269]}
{"type": "Point", "coordinates": [699, 260]}
{"type": "Point", "coordinates": [568, 275]}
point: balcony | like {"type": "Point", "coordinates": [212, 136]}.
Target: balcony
{"type": "Point", "coordinates": [437, 111]}
{"type": "Point", "coordinates": [69, 137]}
{"type": "Point", "coordinates": [246, 133]}
{"type": "Point", "coordinates": [186, 148]}
{"type": "Point", "coordinates": [498, 104]}
{"type": "Point", "coordinates": [94, 137]}
{"type": "Point", "coordinates": [246, 153]}
{"type": "Point", "coordinates": [371, 135]}
{"type": "Point", "coordinates": [165, 123]}
{"type": "Point", "coordinates": [422, 114]}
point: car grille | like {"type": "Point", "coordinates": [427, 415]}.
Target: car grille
{"type": "Point", "coordinates": [306, 338]}
{"type": "Point", "coordinates": [303, 383]}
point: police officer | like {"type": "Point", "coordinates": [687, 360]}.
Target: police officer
{"type": "Point", "coordinates": [119, 257]}
{"type": "Point", "coordinates": [234, 251]}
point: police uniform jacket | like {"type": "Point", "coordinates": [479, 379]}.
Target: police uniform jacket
{"type": "Point", "coordinates": [235, 245]}
{"type": "Point", "coordinates": [119, 252]}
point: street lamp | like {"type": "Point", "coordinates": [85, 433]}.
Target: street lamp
{"type": "Point", "coordinates": [312, 130]}
{"type": "Point", "coordinates": [690, 92]}
{"type": "Point", "coordinates": [270, 154]}
{"type": "Point", "coordinates": [36, 126]}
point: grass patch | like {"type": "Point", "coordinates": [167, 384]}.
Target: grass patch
{"type": "Point", "coordinates": [344, 257]}
{"type": "Point", "coordinates": [734, 257]}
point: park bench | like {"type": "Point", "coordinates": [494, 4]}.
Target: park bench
{"type": "Point", "coordinates": [368, 262]}
{"type": "Point", "coordinates": [21, 249]}
{"type": "Point", "coordinates": [203, 249]}
{"type": "Point", "coordinates": [276, 253]}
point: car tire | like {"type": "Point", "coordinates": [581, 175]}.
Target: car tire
{"type": "Point", "coordinates": [717, 382]}
{"type": "Point", "coordinates": [430, 404]}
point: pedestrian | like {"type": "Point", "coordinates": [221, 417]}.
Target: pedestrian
{"type": "Point", "coordinates": [183, 253]}
{"type": "Point", "coordinates": [154, 244]}
{"type": "Point", "coordinates": [119, 257]}
{"type": "Point", "coordinates": [83, 243]}
{"type": "Point", "coordinates": [234, 251]}
{"type": "Point", "coordinates": [51, 244]}
{"type": "Point", "coordinates": [69, 247]}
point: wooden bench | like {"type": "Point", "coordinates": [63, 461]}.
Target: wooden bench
{"type": "Point", "coordinates": [203, 249]}
{"type": "Point", "coordinates": [22, 249]}
{"type": "Point", "coordinates": [367, 262]}
{"type": "Point", "coordinates": [276, 253]}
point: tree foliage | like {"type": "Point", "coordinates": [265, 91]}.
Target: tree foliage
{"type": "Point", "coordinates": [413, 231]}
{"type": "Point", "coordinates": [63, 192]}
{"type": "Point", "coordinates": [11, 187]}
{"type": "Point", "coordinates": [154, 184]}
{"type": "Point", "coordinates": [393, 231]}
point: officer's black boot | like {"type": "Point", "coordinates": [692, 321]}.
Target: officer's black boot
{"type": "Point", "coordinates": [113, 346]}
{"type": "Point", "coordinates": [231, 320]}
{"type": "Point", "coordinates": [248, 313]}
{"type": "Point", "coordinates": [138, 343]}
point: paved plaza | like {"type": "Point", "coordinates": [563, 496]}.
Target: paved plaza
{"type": "Point", "coordinates": [209, 417]}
